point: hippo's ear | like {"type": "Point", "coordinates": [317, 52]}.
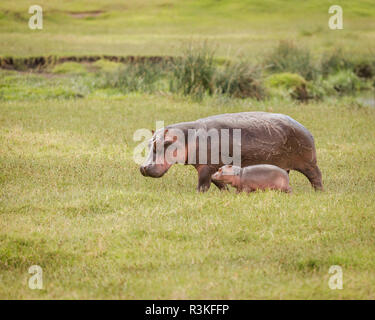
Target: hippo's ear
{"type": "Point", "coordinates": [166, 137]}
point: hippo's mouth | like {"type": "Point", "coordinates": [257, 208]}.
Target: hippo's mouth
{"type": "Point", "coordinates": [151, 173]}
{"type": "Point", "coordinates": [143, 171]}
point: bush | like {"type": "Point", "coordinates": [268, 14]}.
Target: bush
{"type": "Point", "coordinates": [318, 89]}
{"type": "Point", "coordinates": [239, 80]}
{"type": "Point", "coordinates": [198, 73]}
{"type": "Point", "coordinates": [334, 61]}
{"type": "Point", "coordinates": [291, 83]}
{"type": "Point", "coordinates": [144, 77]}
{"type": "Point", "coordinates": [193, 74]}
{"type": "Point", "coordinates": [337, 60]}
{"type": "Point", "coordinates": [365, 69]}
{"type": "Point", "coordinates": [286, 80]}
{"type": "Point", "coordinates": [345, 82]}
{"type": "Point", "coordinates": [287, 57]}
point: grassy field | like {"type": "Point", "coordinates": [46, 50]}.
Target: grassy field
{"type": "Point", "coordinates": [160, 27]}
{"type": "Point", "coordinates": [73, 201]}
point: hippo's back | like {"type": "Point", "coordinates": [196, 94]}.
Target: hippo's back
{"type": "Point", "coordinates": [264, 126]}
{"type": "Point", "coordinates": [271, 138]}
{"type": "Point", "coordinates": [256, 121]}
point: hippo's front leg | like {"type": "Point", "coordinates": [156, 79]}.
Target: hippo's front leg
{"type": "Point", "coordinates": [204, 178]}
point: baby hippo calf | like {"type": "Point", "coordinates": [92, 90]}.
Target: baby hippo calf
{"type": "Point", "coordinates": [258, 177]}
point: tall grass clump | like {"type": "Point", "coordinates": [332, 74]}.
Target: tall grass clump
{"type": "Point", "coordinates": [335, 61]}
{"type": "Point", "coordinates": [193, 73]}
{"type": "Point", "coordinates": [346, 82]}
{"type": "Point", "coordinates": [287, 84]}
{"type": "Point", "coordinates": [287, 57]}
{"type": "Point", "coordinates": [198, 73]}
{"type": "Point", "coordinates": [239, 80]}
{"type": "Point", "coordinates": [141, 77]}
{"type": "Point", "coordinates": [365, 69]}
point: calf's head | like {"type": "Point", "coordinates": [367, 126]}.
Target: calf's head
{"type": "Point", "coordinates": [226, 174]}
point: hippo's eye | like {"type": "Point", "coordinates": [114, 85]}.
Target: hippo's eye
{"type": "Point", "coordinates": [167, 143]}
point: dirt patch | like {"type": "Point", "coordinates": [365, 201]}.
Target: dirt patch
{"type": "Point", "coordinates": [85, 14]}
{"type": "Point", "coordinates": [40, 63]}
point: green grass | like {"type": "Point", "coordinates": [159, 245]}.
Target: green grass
{"type": "Point", "coordinates": [106, 66]}
{"type": "Point", "coordinates": [73, 201]}
{"type": "Point", "coordinates": [158, 27]}
{"type": "Point", "coordinates": [69, 68]}
{"type": "Point", "coordinates": [35, 87]}
{"type": "Point", "coordinates": [285, 80]}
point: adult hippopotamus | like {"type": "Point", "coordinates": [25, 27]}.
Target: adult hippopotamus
{"type": "Point", "coordinates": [265, 138]}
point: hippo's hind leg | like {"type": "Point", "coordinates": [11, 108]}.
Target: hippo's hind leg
{"type": "Point", "coordinates": [314, 175]}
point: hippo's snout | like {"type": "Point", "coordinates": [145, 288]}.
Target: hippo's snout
{"type": "Point", "coordinates": [153, 171]}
